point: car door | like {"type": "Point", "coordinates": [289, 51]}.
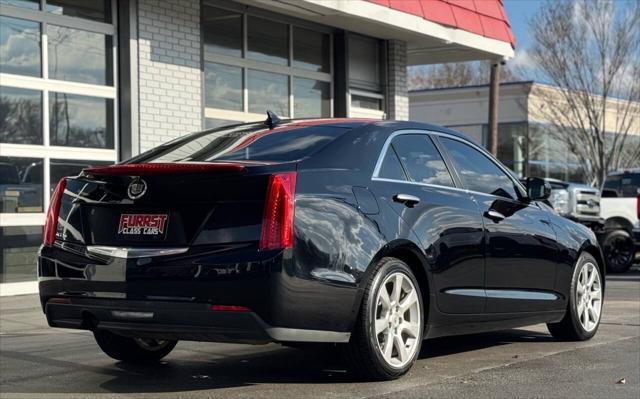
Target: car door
{"type": "Point", "coordinates": [521, 251]}
{"type": "Point", "coordinates": [413, 179]}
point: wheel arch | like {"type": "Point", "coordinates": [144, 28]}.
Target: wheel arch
{"type": "Point", "coordinates": [596, 252]}
{"type": "Point", "coordinates": [618, 222]}
{"type": "Point", "coordinates": [408, 252]}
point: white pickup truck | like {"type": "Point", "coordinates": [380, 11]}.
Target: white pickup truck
{"type": "Point", "coordinates": [620, 209]}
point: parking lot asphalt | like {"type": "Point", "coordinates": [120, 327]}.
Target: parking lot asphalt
{"type": "Point", "coordinates": [38, 361]}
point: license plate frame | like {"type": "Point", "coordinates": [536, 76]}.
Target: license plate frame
{"type": "Point", "coordinates": [143, 226]}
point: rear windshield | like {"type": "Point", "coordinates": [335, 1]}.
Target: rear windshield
{"type": "Point", "coordinates": [252, 143]}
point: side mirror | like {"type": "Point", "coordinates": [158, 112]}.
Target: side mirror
{"type": "Point", "coordinates": [538, 189]}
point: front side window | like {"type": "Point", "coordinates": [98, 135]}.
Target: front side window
{"type": "Point", "coordinates": [478, 172]}
{"type": "Point", "coordinates": [421, 160]}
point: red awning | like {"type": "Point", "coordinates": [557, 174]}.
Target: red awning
{"type": "Point", "coordinates": [483, 17]}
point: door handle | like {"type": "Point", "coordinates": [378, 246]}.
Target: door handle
{"type": "Point", "coordinates": [406, 199]}
{"type": "Point", "coordinates": [494, 215]}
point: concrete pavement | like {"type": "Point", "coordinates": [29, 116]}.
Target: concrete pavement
{"type": "Point", "coordinates": [38, 361]}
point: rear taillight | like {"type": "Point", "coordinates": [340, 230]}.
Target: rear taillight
{"type": "Point", "coordinates": [277, 220]}
{"type": "Point", "coordinates": [51, 223]}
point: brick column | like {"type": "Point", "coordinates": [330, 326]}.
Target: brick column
{"type": "Point", "coordinates": [397, 97]}
{"type": "Point", "coordinates": [170, 78]}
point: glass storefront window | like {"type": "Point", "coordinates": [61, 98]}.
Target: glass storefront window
{"type": "Point", "coordinates": [268, 41]}
{"type": "Point", "coordinates": [80, 121]}
{"type": "Point", "coordinates": [20, 46]}
{"type": "Point", "coordinates": [312, 98]}
{"type": "Point", "coordinates": [222, 31]}
{"type": "Point", "coordinates": [19, 246]}
{"type": "Point", "coordinates": [31, 4]}
{"type": "Point", "coordinates": [21, 185]}
{"type": "Point", "coordinates": [310, 50]}
{"type": "Point", "coordinates": [79, 56]}
{"type": "Point", "coordinates": [366, 102]}
{"type": "Point", "coordinates": [212, 123]}
{"type": "Point", "coordinates": [223, 86]}
{"type": "Point", "coordinates": [95, 10]}
{"type": "Point", "coordinates": [20, 116]}
{"type": "Point", "coordinates": [268, 91]}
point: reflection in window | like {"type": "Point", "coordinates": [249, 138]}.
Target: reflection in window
{"type": "Point", "coordinates": [97, 10]}
{"type": "Point", "coordinates": [311, 98]}
{"type": "Point", "coordinates": [19, 46]}
{"type": "Point", "coordinates": [364, 63]}
{"type": "Point", "coordinates": [222, 31]}
{"type": "Point", "coordinates": [19, 246]}
{"type": "Point", "coordinates": [268, 91]}
{"type": "Point", "coordinates": [79, 56]}
{"type": "Point", "coordinates": [359, 101]}
{"type": "Point", "coordinates": [223, 86]}
{"type": "Point", "coordinates": [80, 121]}
{"type": "Point", "coordinates": [21, 185]}
{"type": "Point", "coordinates": [479, 173]}
{"type": "Point", "coordinates": [67, 167]}
{"type": "Point", "coordinates": [421, 160]}
{"type": "Point", "coordinates": [391, 167]}
{"type": "Point", "coordinates": [268, 41]}
{"type": "Point", "coordinates": [31, 4]}
{"type": "Point", "coordinates": [20, 116]}
{"type": "Point", "coordinates": [310, 50]}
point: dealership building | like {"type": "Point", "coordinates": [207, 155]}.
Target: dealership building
{"type": "Point", "coordinates": [528, 142]}
{"type": "Point", "coordinates": [86, 82]}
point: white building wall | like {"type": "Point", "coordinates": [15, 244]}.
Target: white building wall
{"type": "Point", "coordinates": [170, 77]}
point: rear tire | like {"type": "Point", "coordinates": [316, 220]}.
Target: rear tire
{"type": "Point", "coordinates": [584, 309]}
{"type": "Point", "coordinates": [133, 350]}
{"type": "Point", "coordinates": [619, 250]}
{"type": "Point", "coordinates": [388, 334]}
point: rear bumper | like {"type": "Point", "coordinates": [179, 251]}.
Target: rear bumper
{"type": "Point", "coordinates": [179, 321]}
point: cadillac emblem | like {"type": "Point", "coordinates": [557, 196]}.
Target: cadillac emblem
{"type": "Point", "coordinates": [137, 188]}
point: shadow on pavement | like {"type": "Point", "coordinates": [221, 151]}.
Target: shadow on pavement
{"type": "Point", "coordinates": [276, 365]}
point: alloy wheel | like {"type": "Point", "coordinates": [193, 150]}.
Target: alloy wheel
{"type": "Point", "coordinates": [589, 297]}
{"type": "Point", "coordinates": [397, 320]}
{"type": "Point", "coordinates": [619, 251]}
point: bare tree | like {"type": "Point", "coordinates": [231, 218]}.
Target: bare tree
{"type": "Point", "coordinates": [590, 50]}
{"type": "Point", "coordinates": [455, 75]}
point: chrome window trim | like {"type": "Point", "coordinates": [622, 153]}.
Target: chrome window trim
{"type": "Point", "coordinates": [505, 294]}
{"type": "Point", "coordinates": [483, 151]}
{"type": "Point", "coordinates": [134, 252]}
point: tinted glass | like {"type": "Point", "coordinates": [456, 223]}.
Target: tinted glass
{"type": "Point", "coordinates": [629, 184]}
{"type": "Point", "coordinates": [268, 91]}
{"type": "Point", "coordinates": [222, 31]}
{"type": "Point", "coordinates": [19, 246]}
{"type": "Point", "coordinates": [97, 10]}
{"type": "Point", "coordinates": [31, 4]}
{"type": "Point", "coordinates": [21, 185]}
{"type": "Point", "coordinates": [268, 41]}
{"type": "Point", "coordinates": [311, 98]}
{"type": "Point", "coordinates": [478, 172]}
{"type": "Point", "coordinates": [421, 160]}
{"type": "Point", "coordinates": [247, 142]}
{"type": "Point", "coordinates": [364, 62]}
{"type": "Point", "coordinates": [310, 50]}
{"type": "Point", "coordinates": [19, 46]}
{"type": "Point", "coordinates": [223, 86]}
{"type": "Point", "coordinates": [66, 167]}
{"type": "Point", "coordinates": [79, 56]}
{"type": "Point", "coordinates": [391, 167]}
{"type": "Point", "coordinates": [80, 121]}
{"type": "Point", "coordinates": [611, 187]}
{"type": "Point", "coordinates": [20, 116]}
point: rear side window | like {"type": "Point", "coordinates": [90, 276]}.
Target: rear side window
{"type": "Point", "coordinates": [247, 143]}
{"type": "Point", "coordinates": [391, 167]}
{"type": "Point", "coordinates": [421, 159]}
{"type": "Point", "coordinates": [478, 172]}
{"type": "Point", "coordinates": [624, 185]}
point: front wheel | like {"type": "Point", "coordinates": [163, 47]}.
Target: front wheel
{"type": "Point", "coordinates": [388, 334]}
{"type": "Point", "coordinates": [584, 310]}
{"type": "Point", "coordinates": [133, 350]}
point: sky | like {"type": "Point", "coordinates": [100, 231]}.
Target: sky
{"type": "Point", "coordinates": [519, 12]}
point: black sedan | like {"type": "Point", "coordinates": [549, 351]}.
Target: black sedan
{"type": "Point", "coordinates": [368, 235]}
